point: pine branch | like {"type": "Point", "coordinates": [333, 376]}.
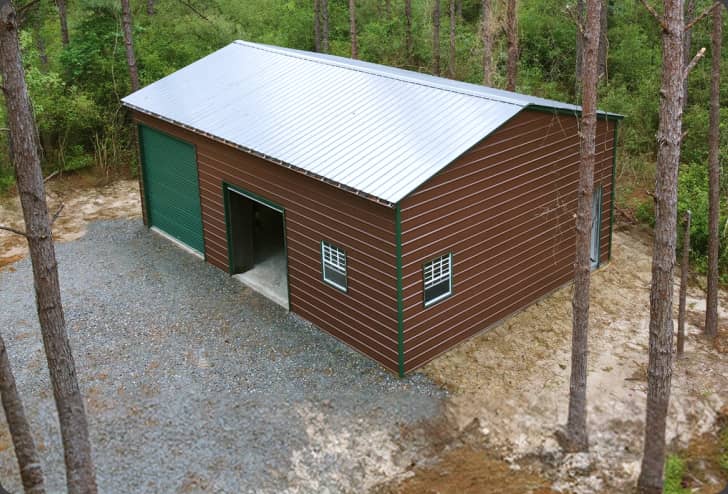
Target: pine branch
{"type": "Point", "coordinates": [702, 15]}
{"type": "Point", "coordinates": [193, 9]}
{"type": "Point", "coordinates": [693, 62]}
{"type": "Point", "coordinates": [57, 213]}
{"type": "Point", "coordinates": [13, 230]}
{"type": "Point", "coordinates": [654, 13]}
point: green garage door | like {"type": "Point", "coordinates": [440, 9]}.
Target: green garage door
{"type": "Point", "coordinates": [171, 187]}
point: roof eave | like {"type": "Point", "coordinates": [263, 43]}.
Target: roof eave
{"type": "Point", "coordinates": [271, 159]}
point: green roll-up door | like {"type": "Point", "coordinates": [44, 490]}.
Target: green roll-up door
{"type": "Point", "coordinates": [171, 187]}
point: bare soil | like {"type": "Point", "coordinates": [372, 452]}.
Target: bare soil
{"type": "Point", "coordinates": [511, 384]}
{"type": "Point", "coordinates": [82, 202]}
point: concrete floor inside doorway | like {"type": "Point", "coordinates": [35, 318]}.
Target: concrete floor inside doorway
{"type": "Point", "coordinates": [268, 277]}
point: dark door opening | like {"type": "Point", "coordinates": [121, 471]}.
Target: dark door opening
{"type": "Point", "coordinates": [257, 246]}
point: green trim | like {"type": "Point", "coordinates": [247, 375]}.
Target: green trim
{"type": "Point", "coordinates": [443, 297]}
{"type": "Point", "coordinates": [613, 192]}
{"type": "Point", "coordinates": [226, 202]}
{"type": "Point", "coordinates": [573, 113]}
{"type": "Point", "coordinates": [345, 288]}
{"type": "Point", "coordinates": [143, 174]}
{"type": "Point", "coordinates": [400, 290]}
{"type": "Point", "coordinates": [254, 197]}
{"type": "Point", "coordinates": [227, 188]}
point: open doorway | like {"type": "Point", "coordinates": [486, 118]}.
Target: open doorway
{"type": "Point", "coordinates": [256, 244]}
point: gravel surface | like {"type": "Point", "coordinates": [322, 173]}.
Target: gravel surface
{"type": "Point", "coordinates": [194, 383]}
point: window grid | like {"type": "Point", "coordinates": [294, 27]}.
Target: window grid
{"type": "Point", "coordinates": [437, 271]}
{"type": "Point", "coordinates": [334, 258]}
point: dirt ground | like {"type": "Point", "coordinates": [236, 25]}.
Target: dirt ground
{"type": "Point", "coordinates": [82, 203]}
{"type": "Point", "coordinates": [511, 386]}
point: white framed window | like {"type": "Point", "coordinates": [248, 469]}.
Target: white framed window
{"type": "Point", "coordinates": [437, 276]}
{"type": "Point", "coordinates": [333, 265]}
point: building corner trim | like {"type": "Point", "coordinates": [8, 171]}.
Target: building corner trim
{"type": "Point", "coordinates": [400, 297]}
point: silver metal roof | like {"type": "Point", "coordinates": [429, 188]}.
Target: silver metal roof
{"type": "Point", "coordinates": [370, 129]}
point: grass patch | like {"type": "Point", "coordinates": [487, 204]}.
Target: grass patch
{"type": "Point", "coordinates": [674, 472]}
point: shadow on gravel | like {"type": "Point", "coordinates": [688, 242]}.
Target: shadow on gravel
{"type": "Point", "coordinates": [196, 384]}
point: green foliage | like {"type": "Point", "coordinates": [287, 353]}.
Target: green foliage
{"type": "Point", "coordinates": [674, 471]}
{"type": "Point", "coordinates": [81, 122]}
{"type": "Point", "coordinates": [723, 445]}
{"type": "Point", "coordinates": [693, 196]}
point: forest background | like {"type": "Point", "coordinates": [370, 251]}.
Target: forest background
{"type": "Point", "coordinates": [76, 87]}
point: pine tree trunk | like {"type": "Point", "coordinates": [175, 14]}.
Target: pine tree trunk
{"type": "Point", "coordinates": [352, 29]}
{"type": "Point", "coordinates": [580, 22]}
{"type": "Point", "coordinates": [126, 25]}
{"type": "Point", "coordinates": [408, 31]}
{"type": "Point", "coordinates": [451, 58]}
{"type": "Point", "coordinates": [31, 472]}
{"type": "Point", "coordinates": [687, 47]}
{"type": "Point", "coordinates": [436, 38]}
{"type": "Point", "coordinates": [324, 26]}
{"type": "Point", "coordinates": [576, 427]}
{"type": "Point", "coordinates": [317, 25]}
{"type": "Point", "coordinates": [512, 35]}
{"type": "Point", "coordinates": [669, 133]}
{"type": "Point", "coordinates": [63, 18]}
{"type": "Point", "coordinates": [487, 45]}
{"type": "Point", "coordinates": [603, 39]}
{"type": "Point", "coordinates": [150, 7]}
{"type": "Point", "coordinates": [711, 309]}
{"type": "Point", "coordinates": [69, 402]}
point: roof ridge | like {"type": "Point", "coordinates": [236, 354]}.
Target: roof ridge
{"type": "Point", "coordinates": [290, 52]}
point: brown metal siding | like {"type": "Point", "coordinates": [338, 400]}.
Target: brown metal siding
{"type": "Point", "coordinates": [365, 317]}
{"type": "Point", "coordinates": [506, 212]}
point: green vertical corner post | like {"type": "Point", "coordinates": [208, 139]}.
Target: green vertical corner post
{"type": "Point", "coordinates": [613, 193]}
{"type": "Point", "coordinates": [400, 289]}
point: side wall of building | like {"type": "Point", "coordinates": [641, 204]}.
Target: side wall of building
{"type": "Point", "coordinates": [365, 316]}
{"type": "Point", "coordinates": [505, 210]}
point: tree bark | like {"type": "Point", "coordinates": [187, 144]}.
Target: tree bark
{"type": "Point", "coordinates": [487, 45]}
{"type": "Point", "coordinates": [687, 47]}
{"type": "Point", "coordinates": [150, 7]}
{"type": "Point", "coordinates": [603, 40]}
{"type": "Point", "coordinates": [711, 306]}
{"type": "Point", "coordinates": [126, 25]}
{"type": "Point", "coordinates": [580, 22]}
{"type": "Point", "coordinates": [80, 476]}
{"type": "Point", "coordinates": [684, 269]}
{"type": "Point", "coordinates": [451, 58]}
{"type": "Point", "coordinates": [324, 25]}
{"type": "Point", "coordinates": [317, 25]}
{"type": "Point", "coordinates": [352, 29]}
{"type": "Point", "coordinates": [31, 472]}
{"type": "Point", "coordinates": [576, 427]}
{"type": "Point", "coordinates": [512, 35]}
{"type": "Point", "coordinates": [408, 31]}
{"type": "Point", "coordinates": [63, 18]}
{"type": "Point", "coordinates": [669, 134]}
{"type": "Point", "coordinates": [436, 38]}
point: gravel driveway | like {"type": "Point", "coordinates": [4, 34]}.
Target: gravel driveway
{"type": "Point", "coordinates": [196, 384]}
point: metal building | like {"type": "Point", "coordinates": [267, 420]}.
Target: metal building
{"type": "Point", "coordinates": [400, 212]}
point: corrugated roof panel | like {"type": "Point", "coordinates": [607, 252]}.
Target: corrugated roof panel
{"type": "Point", "coordinates": [376, 130]}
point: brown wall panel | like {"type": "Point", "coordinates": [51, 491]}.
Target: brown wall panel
{"type": "Point", "coordinates": [366, 316]}
{"type": "Point", "coordinates": [505, 209]}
